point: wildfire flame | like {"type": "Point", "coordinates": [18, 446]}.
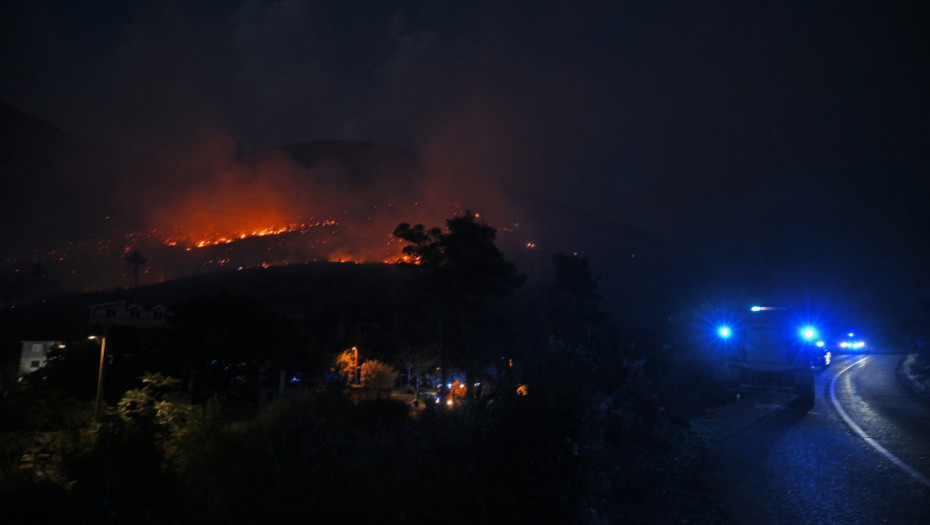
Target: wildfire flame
{"type": "Point", "coordinates": [216, 239]}
{"type": "Point", "coordinates": [225, 202]}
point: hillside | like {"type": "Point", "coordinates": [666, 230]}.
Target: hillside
{"type": "Point", "coordinates": [74, 209]}
{"type": "Point", "coordinates": [306, 287]}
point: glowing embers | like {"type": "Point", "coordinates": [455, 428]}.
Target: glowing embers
{"type": "Point", "coordinates": [213, 239]}
{"type": "Point", "coordinates": [404, 258]}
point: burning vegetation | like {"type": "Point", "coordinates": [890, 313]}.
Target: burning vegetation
{"type": "Point", "coordinates": [335, 201]}
{"type": "Point", "coordinates": [215, 238]}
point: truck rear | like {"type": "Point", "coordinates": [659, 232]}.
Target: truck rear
{"type": "Point", "coordinates": [768, 350]}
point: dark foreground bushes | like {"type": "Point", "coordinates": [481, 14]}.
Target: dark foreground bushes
{"type": "Point", "coordinates": [321, 459]}
{"type": "Point", "coordinates": [589, 442]}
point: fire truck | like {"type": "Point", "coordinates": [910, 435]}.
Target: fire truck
{"type": "Point", "coordinates": [770, 349]}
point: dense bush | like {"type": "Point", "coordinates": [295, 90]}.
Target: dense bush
{"type": "Point", "coordinates": [376, 374]}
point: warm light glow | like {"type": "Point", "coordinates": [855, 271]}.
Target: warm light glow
{"type": "Point", "coordinates": [227, 202]}
{"type": "Point", "coordinates": [212, 238]}
{"type": "Point", "coordinates": [406, 259]}
{"type": "Point", "coordinates": [342, 257]}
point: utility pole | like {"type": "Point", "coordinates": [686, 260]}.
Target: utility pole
{"type": "Point", "coordinates": [100, 372]}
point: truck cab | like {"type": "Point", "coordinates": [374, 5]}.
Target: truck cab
{"type": "Point", "coordinates": [768, 350]}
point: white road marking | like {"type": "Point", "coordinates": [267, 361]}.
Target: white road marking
{"type": "Point", "coordinates": [891, 457]}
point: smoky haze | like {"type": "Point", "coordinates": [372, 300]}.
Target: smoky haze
{"type": "Point", "coordinates": [781, 138]}
{"type": "Point", "coordinates": [212, 208]}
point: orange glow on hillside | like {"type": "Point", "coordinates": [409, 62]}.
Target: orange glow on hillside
{"type": "Point", "coordinates": [211, 199]}
{"type": "Point", "coordinates": [232, 234]}
{"type": "Point", "coordinates": [216, 200]}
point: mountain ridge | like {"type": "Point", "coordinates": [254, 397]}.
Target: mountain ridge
{"type": "Point", "coordinates": [367, 187]}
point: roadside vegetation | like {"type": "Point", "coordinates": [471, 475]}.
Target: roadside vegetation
{"type": "Point", "coordinates": [917, 368]}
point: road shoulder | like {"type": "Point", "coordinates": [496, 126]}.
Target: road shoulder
{"type": "Point", "coordinates": [914, 373]}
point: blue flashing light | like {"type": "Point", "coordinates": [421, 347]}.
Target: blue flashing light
{"type": "Point", "coordinates": [755, 309]}
{"type": "Point", "coordinates": [808, 332]}
{"type": "Point", "coordinates": [724, 332]}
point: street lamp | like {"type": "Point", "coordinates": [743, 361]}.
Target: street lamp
{"type": "Point", "coordinates": [103, 349]}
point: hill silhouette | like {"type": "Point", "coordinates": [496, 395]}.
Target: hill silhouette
{"type": "Point", "coordinates": [74, 208]}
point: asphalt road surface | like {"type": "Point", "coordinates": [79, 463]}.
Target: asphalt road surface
{"type": "Point", "coordinates": [861, 455]}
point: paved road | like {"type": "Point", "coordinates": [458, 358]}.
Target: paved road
{"type": "Point", "coordinates": [861, 455]}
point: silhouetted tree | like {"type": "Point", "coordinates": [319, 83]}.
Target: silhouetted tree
{"type": "Point", "coordinates": [136, 260]}
{"type": "Point", "coordinates": [573, 303]}
{"type": "Point", "coordinates": [417, 363]}
{"type": "Point", "coordinates": [460, 272]}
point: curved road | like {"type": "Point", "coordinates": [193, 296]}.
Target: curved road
{"type": "Point", "coordinates": [861, 455]}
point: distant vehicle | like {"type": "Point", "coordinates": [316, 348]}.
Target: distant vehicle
{"type": "Point", "coordinates": [821, 355]}
{"type": "Point", "coordinates": [769, 349]}
{"type": "Point", "coordinates": [851, 343]}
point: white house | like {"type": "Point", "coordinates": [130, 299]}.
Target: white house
{"type": "Point", "coordinates": [121, 313]}
{"type": "Point", "coordinates": [35, 355]}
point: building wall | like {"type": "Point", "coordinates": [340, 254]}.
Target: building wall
{"type": "Point", "coordinates": [121, 313]}
{"type": "Point", "coordinates": [35, 355]}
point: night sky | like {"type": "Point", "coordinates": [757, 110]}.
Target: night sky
{"type": "Point", "coordinates": [737, 131]}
